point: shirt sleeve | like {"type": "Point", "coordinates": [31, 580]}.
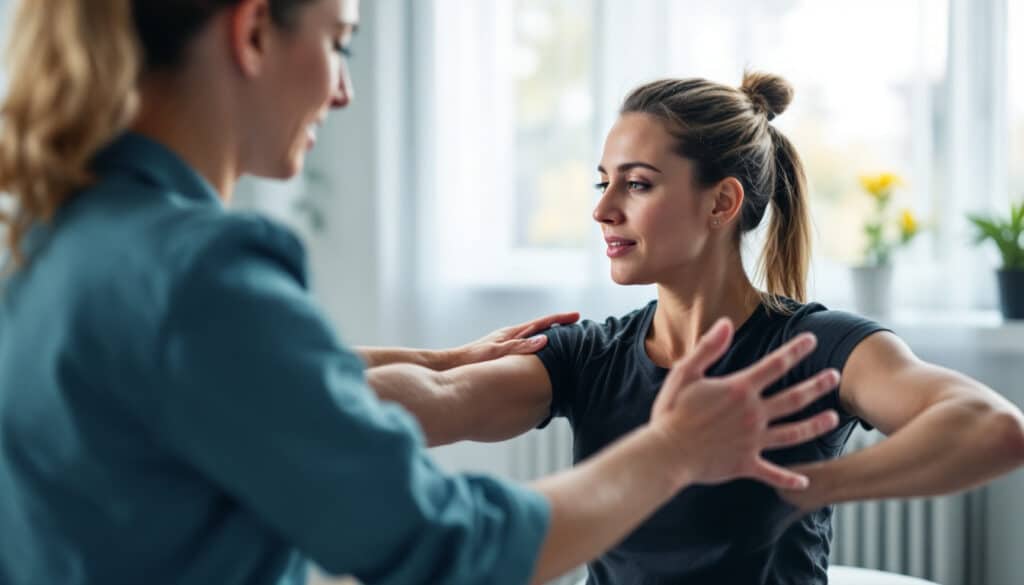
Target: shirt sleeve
{"type": "Point", "coordinates": [838, 333]}
{"type": "Point", "coordinates": [258, 395]}
{"type": "Point", "coordinates": [561, 357]}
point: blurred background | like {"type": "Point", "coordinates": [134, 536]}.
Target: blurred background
{"type": "Point", "coordinates": [454, 196]}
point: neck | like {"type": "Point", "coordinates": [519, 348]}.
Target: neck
{"type": "Point", "coordinates": [192, 123]}
{"type": "Point", "coordinates": [689, 306]}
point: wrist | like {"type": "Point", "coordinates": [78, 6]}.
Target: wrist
{"type": "Point", "coordinates": [672, 466]}
{"type": "Point", "coordinates": [441, 359]}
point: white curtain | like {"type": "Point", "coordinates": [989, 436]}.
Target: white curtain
{"type": "Point", "coordinates": [913, 86]}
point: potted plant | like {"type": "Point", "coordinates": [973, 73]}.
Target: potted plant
{"type": "Point", "coordinates": [1006, 233]}
{"type": "Point", "coordinates": [872, 279]}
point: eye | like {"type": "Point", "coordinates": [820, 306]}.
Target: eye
{"type": "Point", "coordinates": [342, 50]}
{"type": "Point", "coordinates": [602, 186]}
{"type": "Point", "coordinates": [637, 186]}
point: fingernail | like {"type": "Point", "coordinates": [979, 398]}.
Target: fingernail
{"type": "Point", "coordinates": [537, 339]}
{"type": "Point", "coordinates": [802, 483]}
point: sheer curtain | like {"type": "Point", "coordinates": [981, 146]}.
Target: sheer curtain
{"type": "Point", "coordinates": [522, 92]}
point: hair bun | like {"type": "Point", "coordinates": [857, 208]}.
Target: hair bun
{"type": "Point", "coordinates": [769, 93]}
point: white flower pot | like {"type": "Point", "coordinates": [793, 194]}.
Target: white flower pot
{"type": "Point", "coordinates": [872, 290]}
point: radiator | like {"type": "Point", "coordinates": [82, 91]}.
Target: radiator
{"type": "Point", "coordinates": [940, 539]}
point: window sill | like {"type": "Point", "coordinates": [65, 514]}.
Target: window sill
{"type": "Point", "coordinates": [978, 331]}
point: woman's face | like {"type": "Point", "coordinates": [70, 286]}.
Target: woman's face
{"type": "Point", "coordinates": [656, 220]}
{"type": "Point", "coordinates": [306, 77]}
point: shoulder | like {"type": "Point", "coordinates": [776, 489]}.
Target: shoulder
{"type": "Point", "coordinates": [202, 242]}
{"type": "Point", "coordinates": [611, 331]}
{"type": "Point", "coordinates": [838, 332]}
{"type": "Point", "coordinates": [128, 225]}
{"type": "Point", "coordinates": [831, 325]}
{"type": "Point", "coordinates": [128, 239]}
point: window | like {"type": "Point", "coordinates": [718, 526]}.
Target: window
{"type": "Point", "coordinates": [906, 86]}
{"type": "Point", "coordinates": [514, 142]}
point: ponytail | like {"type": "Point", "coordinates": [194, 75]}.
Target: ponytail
{"type": "Point", "coordinates": [73, 68]}
{"type": "Point", "coordinates": [786, 255]}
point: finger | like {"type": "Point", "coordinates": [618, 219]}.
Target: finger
{"type": "Point", "coordinates": [789, 434]}
{"type": "Point", "coordinates": [772, 367]}
{"type": "Point", "coordinates": [798, 397]}
{"type": "Point", "coordinates": [538, 325]}
{"type": "Point", "coordinates": [779, 477]}
{"type": "Point", "coordinates": [523, 346]}
{"type": "Point", "coordinates": [709, 348]}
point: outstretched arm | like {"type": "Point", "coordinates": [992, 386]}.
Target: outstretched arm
{"type": "Point", "coordinates": [514, 340]}
{"type": "Point", "coordinates": [489, 401]}
{"type": "Point", "coordinates": [947, 432]}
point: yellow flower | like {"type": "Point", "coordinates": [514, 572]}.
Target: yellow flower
{"type": "Point", "coordinates": [880, 185]}
{"type": "Point", "coordinates": [908, 224]}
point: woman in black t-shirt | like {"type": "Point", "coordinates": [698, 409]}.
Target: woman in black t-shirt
{"type": "Point", "coordinates": [689, 168]}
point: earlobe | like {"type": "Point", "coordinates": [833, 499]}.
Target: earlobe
{"type": "Point", "coordinates": [248, 22]}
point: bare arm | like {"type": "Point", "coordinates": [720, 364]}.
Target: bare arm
{"type": "Point", "coordinates": [489, 401]}
{"type": "Point", "coordinates": [517, 339]}
{"type": "Point", "coordinates": [948, 432]}
{"type": "Point", "coordinates": [702, 430]}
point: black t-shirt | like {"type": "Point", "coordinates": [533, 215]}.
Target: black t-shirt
{"type": "Point", "coordinates": [604, 382]}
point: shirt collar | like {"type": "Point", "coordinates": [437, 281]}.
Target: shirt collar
{"type": "Point", "coordinates": [154, 163]}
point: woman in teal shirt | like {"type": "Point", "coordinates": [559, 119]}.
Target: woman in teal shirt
{"type": "Point", "coordinates": [173, 406]}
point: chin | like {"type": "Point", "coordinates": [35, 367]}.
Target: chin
{"type": "Point", "coordinates": [625, 277]}
{"type": "Point", "coordinates": [622, 277]}
{"type": "Point", "coordinates": [290, 168]}
{"type": "Point", "coordinates": [280, 171]}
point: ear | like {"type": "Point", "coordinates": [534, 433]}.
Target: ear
{"type": "Point", "coordinates": [249, 27]}
{"type": "Point", "coordinates": [728, 196]}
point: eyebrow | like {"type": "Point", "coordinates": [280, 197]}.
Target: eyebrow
{"type": "Point", "coordinates": [630, 165]}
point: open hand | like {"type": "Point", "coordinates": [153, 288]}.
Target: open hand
{"type": "Point", "coordinates": [517, 339]}
{"type": "Point", "coordinates": [720, 426]}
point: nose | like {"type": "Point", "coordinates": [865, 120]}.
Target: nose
{"type": "Point", "coordinates": [342, 95]}
{"type": "Point", "coordinates": [607, 210]}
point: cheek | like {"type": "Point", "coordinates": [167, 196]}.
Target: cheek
{"type": "Point", "coordinates": [674, 232]}
{"type": "Point", "coordinates": [315, 74]}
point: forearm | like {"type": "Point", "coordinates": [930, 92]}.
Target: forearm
{"type": "Point", "coordinates": [951, 446]}
{"type": "Point", "coordinates": [383, 356]}
{"type": "Point", "coordinates": [423, 392]}
{"type": "Point", "coordinates": [624, 485]}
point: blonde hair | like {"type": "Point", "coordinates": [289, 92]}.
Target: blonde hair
{"type": "Point", "coordinates": [73, 70]}
{"type": "Point", "coordinates": [727, 132]}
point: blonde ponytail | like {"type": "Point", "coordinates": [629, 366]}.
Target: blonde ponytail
{"type": "Point", "coordinates": [73, 69]}
{"type": "Point", "coordinates": [787, 253]}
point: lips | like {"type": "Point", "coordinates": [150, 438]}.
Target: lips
{"type": "Point", "coordinates": [618, 247]}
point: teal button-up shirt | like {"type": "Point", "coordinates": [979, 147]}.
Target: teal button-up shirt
{"type": "Point", "coordinates": [175, 409]}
